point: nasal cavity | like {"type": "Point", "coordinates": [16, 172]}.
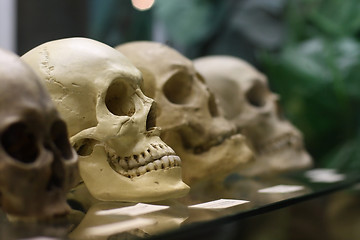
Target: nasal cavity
{"type": "Point", "coordinates": [213, 107]}
{"type": "Point", "coordinates": [151, 117]}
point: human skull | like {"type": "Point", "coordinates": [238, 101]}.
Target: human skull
{"type": "Point", "coordinates": [37, 164]}
{"type": "Point", "coordinates": [187, 113]}
{"type": "Point", "coordinates": [246, 100]}
{"type": "Point", "coordinates": [111, 122]}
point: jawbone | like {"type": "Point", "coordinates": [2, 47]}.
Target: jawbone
{"type": "Point", "coordinates": [284, 153]}
{"type": "Point", "coordinates": [105, 184]}
{"type": "Point", "coordinates": [217, 162]}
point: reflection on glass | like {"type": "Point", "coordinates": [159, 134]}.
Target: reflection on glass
{"type": "Point", "coordinates": [206, 203]}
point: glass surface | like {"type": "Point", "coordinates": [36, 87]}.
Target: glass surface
{"type": "Point", "coordinates": [235, 198]}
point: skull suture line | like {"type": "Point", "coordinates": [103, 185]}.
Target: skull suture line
{"type": "Point", "coordinates": [207, 143]}
{"type": "Point", "coordinates": [37, 164]}
{"type": "Point", "coordinates": [246, 100]}
{"type": "Point", "coordinates": [111, 122]}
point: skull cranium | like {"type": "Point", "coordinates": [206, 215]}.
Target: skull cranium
{"type": "Point", "coordinates": [207, 143]}
{"type": "Point", "coordinates": [37, 164]}
{"type": "Point", "coordinates": [111, 122]}
{"type": "Point", "coordinates": [246, 100]}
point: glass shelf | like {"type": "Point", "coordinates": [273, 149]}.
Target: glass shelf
{"type": "Point", "coordinates": [207, 205]}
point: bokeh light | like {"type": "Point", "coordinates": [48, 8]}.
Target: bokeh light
{"type": "Point", "coordinates": [142, 4]}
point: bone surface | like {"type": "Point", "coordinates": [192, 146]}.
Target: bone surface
{"type": "Point", "coordinates": [246, 100]}
{"type": "Point", "coordinates": [208, 144]}
{"type": "Point", "coordinates": [37, 164]}
{"type": "Point", "coordinates": [111, 122]}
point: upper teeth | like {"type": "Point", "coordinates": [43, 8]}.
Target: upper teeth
{"type": "Point", "coordinates": [156, 157]}
{"type": "Point", "coordinates": [284, 141]}
{"type": "Point", "coordinates": [215, 141]}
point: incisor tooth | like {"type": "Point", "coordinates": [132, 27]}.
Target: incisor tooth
{"type": "Point", "coordinates": [177, 160]}
{"type": "Point", "coordinates": [172, 161]}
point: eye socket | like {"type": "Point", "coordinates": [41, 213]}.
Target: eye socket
{"type": "Point", "coordinates": [118, 99]}
{"type": "Point", "coordinates": [58, 133]}
{"type": "Point", "coordinates": [85, 146]}
{"type": "Point", "coordinates": [256, 94]}
{"type": "Point", "coordinates": [178, 89]}
{"type": "Point", "coordinates": [20, 143]}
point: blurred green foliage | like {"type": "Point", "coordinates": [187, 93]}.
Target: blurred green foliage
{"type": "Point", "coordinates": [114, 22]}
{"type": "Point", "coordinates": [317, 74]}
{"type": "Point", "coordinates": [229, 27]}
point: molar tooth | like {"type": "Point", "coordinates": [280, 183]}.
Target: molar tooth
{"type": "Point", "coordinates": [158, 164]}
{"type": "Point", "coordinates": [150, 166]}
{"type": "Point", "coordinates": [132, 173]}
{"type": "Point", "coordinates": [133, 163]}
{"type": "Point", "coordinates": [142, 170]}
{"type": "Point", "coordinates": [123, 164]}
{"type": "Point", "coordinates": [141, 160]}
{"type": "Point", "coordinates": [122, 171]}
{"type": "Point", "coordinates": [165, 161]}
